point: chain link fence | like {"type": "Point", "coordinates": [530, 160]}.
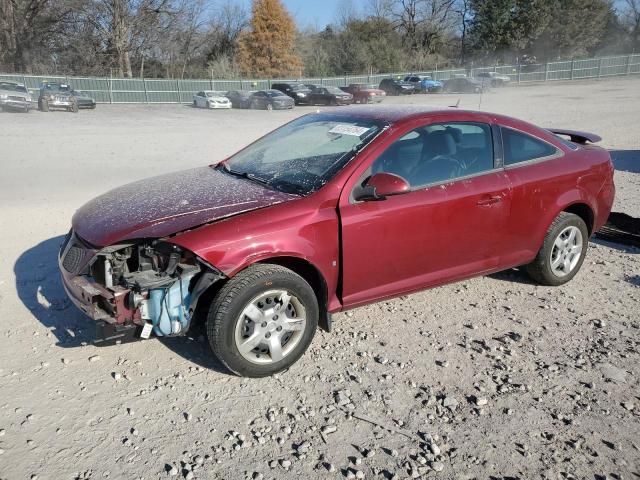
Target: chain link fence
{"type": "Point", "coordinates": [138, 90]}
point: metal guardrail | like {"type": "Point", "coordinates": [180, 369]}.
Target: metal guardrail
{"type": "Point", "coordinates": [147, 90]}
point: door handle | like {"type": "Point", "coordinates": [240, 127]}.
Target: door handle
{"type": "Point", "coordinates": [490, 200]}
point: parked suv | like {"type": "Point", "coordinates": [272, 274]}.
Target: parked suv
{"type": "Point", "coordinates": [391, 86]}
{"type": "Point", "coordinates": [298, 91]}
{"type": "Point", "coordinates": [424, 83]}
{"type": "Point", "coordinates": [57, 95]}
{"type": "Point", "coordinates": [14, 96]}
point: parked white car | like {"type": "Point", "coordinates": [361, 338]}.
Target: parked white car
{"type": "Point", "coordinates": [211, 99]}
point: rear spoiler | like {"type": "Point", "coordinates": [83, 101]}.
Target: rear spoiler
{"type": "Point", "coordinates": [576, 136]}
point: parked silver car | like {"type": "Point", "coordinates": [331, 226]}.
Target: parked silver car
{"type": "Point", "coordinates": [14, 96]}
{"type": "Point", "coordinates": [493, 79]}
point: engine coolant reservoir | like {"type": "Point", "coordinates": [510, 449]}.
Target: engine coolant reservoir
{"type": "Point", "coordinates": [168, 307]}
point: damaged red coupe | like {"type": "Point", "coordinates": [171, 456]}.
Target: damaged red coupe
{"type": "Point", "coordinates": [330, 212]}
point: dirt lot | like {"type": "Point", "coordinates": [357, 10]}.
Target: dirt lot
{"type": "Point", "coordinates": [490, 378]}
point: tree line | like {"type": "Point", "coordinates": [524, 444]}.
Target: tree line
{"type": "Point", "coordinates": [197, 38]}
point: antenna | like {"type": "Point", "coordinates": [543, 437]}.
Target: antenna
{"type": "Point", "coordinates": [480, 98]}
{"type": "Point", "coordinates": [456, 105]}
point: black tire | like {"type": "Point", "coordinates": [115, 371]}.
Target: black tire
{"type": "Point", "coordinates": [540, 269]}
{"type": "Point", "coordinates": [45, 105]}
{"type": "Point", "coordinates": [269, 106]}
{"type": "Point", "coordinates": [74, 106]}
{"type": "Point", "coordinates": [228, 304]}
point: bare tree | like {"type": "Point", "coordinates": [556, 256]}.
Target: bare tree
{"type": "Point", "coordinates": [630, 19]}
{"type": "Point", "coordinates": [130, 26]}
{"type": "Point", "coordinates": [26, 26]}
{"type": "Point", "coordinates": [423, 23]}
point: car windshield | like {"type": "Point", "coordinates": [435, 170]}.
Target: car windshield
{"type": "Point", "coordinates": [215, 94]}
{"type": "Point", "coordinates": [334, 90]}
{"type": "Point", "coordinates": [58, 88]}
{"type": "Point", "coordinates": [275, 93]}
{"type": "Point", "coordinates": [298, 86]}
{"type": "Point", "coordinates": [305, 154]}
{"type": "Point", "coordinates": [12, 87]}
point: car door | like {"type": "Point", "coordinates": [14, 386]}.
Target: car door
{"type": "Point", "coordinates": [447, 227]}
{"type": "Point", "coordinates": [537, 176]}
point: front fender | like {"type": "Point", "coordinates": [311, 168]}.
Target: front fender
{"type": "Point", "coordinates": [233, 244]}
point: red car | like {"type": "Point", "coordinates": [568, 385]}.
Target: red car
{"type": "Point", "coordinates": [327, 213]}
{"type": "Point", "coordinates": [363, 93]}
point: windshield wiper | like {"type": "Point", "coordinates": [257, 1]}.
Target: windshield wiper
{"type": "Point", "coordinates": [249, 176]}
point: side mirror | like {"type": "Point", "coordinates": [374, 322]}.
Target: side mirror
{"type": "Point", "coordinates": [382, 185]}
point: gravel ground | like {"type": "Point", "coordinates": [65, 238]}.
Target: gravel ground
{"type": "Point", "coordinates": [492, 378]}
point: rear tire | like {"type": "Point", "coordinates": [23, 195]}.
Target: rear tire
{"type": "Point", "coordinates": [269, 107]}
{"type": "Point", "coordinates": [254, 305]}
{"type": "Point", "coordinates": [563, 251]}
{"type": "Point", "coordinates": [74, 106]}
{"type": "Point", "coordinates": [45, 105]}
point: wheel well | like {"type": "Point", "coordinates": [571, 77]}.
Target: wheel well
{"type": "Point", "coordinates": [313, 277]}
{"type": "Point", "coordinates": [584, 212]}
{"type": "Point", "coordinates": [303, 268]}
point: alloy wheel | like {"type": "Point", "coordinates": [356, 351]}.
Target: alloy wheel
{"type": "Point", "coordinates": [270, 327]}
{"type": "Point", "coordinates": [566, 251]}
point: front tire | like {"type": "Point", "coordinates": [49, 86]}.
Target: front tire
{"type": "Point", "coordinates": [262, 320]}
{"type": "Point", "coordinates": [45, 105]}
{"type": "Point", "coordinates": [563, 251]}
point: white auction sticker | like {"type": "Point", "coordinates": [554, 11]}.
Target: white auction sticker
{"type": "Point", "coordinates": [349, 130]}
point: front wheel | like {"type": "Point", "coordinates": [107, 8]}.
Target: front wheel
{"type": "Point", "coordinates": [563, 251]}
{"type": "Point", "coordinates": [262, 320]}
{"type": "Point", "coordinates": [74, 107]}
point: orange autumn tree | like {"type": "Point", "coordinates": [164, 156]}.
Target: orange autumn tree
{"type": "Point", "coordinates": [267, 49]}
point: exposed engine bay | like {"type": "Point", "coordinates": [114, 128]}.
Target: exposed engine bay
{"type": "Point", "coordinates": [154, 285]}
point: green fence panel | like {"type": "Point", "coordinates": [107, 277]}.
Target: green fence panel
{"type": "Point", "coordinates": [136, 90]}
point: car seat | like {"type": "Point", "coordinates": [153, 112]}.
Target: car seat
{"type": "Point", "coordinates": [438, 161]}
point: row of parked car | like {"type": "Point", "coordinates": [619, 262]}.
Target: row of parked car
{"type": "Point", "coordinates": [52, 95]}
{"type": "Point", "coordinates": [281, 95]}
{"type": "Point", "coordinates": [285, 95]}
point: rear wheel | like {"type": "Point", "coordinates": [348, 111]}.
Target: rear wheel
{"type": "Point", "coordinates": [563, 251]}
{"type": "Point", "coordinates": [262, 320]}
{"type": "Point", "coordinates": [74, 106]}
{"type": "Point", "coordinates": [269, 107]}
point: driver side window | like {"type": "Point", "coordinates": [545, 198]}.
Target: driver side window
{"type": "Point", "coordinates": [438, 153]}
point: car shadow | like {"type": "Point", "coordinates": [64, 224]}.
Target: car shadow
{"type": "Point", "coordinates": [194, 347]}
{"type": "Point", "coordinates": [626, 160]}
{"type": "Point", "coordinates": [40, 290]}
{"type": "Point", "coordinates": [614, 245]}
{"type": "Point", "coordinates": [513, 275]}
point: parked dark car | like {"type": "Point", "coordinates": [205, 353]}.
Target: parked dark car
{"type": "Point", "coordinates": [57, 95]}
{"type": "Point", "coordinates": [463, 85]}
{"type": "Point", "coordinates": [84, 99]}
{"type": "Point", "coordinates": [298, 91]}
{"type": "Point", "coordinates": [396, 87]}
{"type": "Point", "coordinates": [365, 93]}
{"type": "Point", "coordinates": [304, 222]}
{"type": "Point", "coordinates": [240, 98]}
{"type": "Point", "coordinates": [271, 100]}
{"type": "Point", "coordinates": [329, 96]}
{"type": "Point", "coordinates": [424, 83]}
{"type": "Point", "coordinates": [14, 96]}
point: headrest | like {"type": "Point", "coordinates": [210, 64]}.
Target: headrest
{"type": "Point", "coordinates": [440, 142]}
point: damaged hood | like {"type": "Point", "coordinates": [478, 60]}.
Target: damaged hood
{"type": "Point", "coordinates": [164, 205]}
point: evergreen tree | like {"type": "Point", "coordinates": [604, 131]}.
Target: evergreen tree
{"type": "Point", "coordinates": [267, 49]}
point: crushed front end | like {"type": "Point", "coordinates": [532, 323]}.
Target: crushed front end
{"type": "Point", "coordinates": [134, 289]}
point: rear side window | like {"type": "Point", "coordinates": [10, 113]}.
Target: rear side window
{"type": "Point", "coordinates": [520, 147]}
